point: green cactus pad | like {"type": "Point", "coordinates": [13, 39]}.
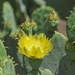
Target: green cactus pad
{"type": "Point", "coordinates": [7, 67]}
{"type": "Point", "coordinates": [46, 20]}
{"type": "Point", "coordinates": [9, 19]}
{"type": "Point", "coordinates": [70, 27]}
{"type": "Point", "coordinates": [6, 64]}
{"type": "Point", "coordinates": [66, 66]}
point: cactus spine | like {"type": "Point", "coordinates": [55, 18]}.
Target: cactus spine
{"type": "Point", "coordinates": [67, 63]}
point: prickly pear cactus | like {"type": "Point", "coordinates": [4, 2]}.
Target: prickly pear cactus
{"type": "Point", "coordinates": [51, 61]}
{"type": "Point", "coordinates": [67, 63]}
{"type": "Point", "coordinates": [9, 19]}
{"type": "Point", "coordinates": [7, 67]}
{"type": "Point", "coordinates": [70, 28]}
{"type": "Point", "coordinates": [46, 19]}
{"type": "Point", "coordinates": [6, 64]}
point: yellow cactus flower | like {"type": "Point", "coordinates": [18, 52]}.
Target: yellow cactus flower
{"type": "Point", "coordinates": [34, 46]}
